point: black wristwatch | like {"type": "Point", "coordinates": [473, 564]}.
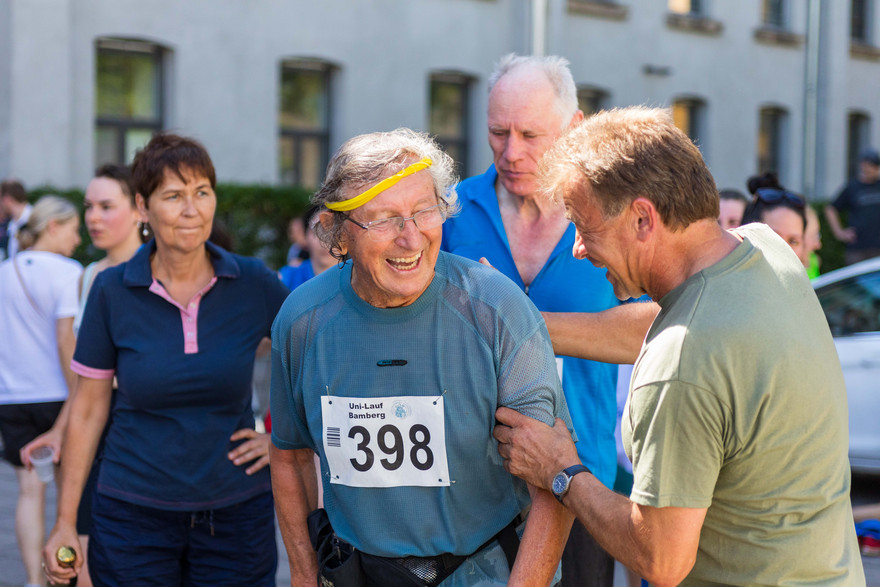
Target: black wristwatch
{"type": "Point", "coordinates": [562, 481]}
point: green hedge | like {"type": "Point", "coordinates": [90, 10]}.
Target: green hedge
{"type": "Point", "coordinates": [832, 249]}
{"type": "Point", "coordinates": [256, 216]}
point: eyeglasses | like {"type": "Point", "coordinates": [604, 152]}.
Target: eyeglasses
{"type": "Point", "coordinates": [774, 196]}
{"type": "Point", "coordinates": [388, 229]}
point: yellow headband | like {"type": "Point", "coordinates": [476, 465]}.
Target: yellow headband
{"type": "Point", "coordinates": [361, 199]}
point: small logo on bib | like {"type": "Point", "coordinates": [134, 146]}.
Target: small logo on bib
{"type": "Point", "coordinates": [401, 410]}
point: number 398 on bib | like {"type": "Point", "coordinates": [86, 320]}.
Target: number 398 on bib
{"type": "Point", "coordinates": [385, 441]}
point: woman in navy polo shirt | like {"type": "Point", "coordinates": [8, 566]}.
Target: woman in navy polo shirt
{"type": "Point", "coordinates": [178, 326]}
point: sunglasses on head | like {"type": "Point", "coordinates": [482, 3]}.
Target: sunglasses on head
{"type": "Point", "coordinates": [774, 196]}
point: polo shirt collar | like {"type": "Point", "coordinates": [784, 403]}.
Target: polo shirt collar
{"type": "Point", "coordinates": [138, 273]}
{"type": "Point", "coordinates": [485, 186]}
{"type": "Point", "coordinates": [484, 183]}
{"type": "Point", "coordinates": [483, 196]}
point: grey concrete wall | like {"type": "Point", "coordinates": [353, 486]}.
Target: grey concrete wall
{"type": "Point", "coordinates": [5, 88]}
{"type": "Point", "coordinates": [224, 58]}
{"type": "Point", "coordinates": [41, 89]}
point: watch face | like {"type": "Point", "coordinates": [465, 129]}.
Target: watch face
{"type": "Point", "coordinates": [560, 482]}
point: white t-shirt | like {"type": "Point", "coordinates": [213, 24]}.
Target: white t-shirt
{"type": "Point", "coordinates": [30, 370]}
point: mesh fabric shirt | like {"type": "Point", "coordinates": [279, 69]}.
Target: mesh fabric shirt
{"type": "Point", "coordinates": [473, 338]}
{"type": "Point", "coordinates": [738, 405]}
{"type": "Point", "coordinates": [564, 284]}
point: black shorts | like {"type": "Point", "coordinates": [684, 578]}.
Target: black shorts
{"type": "Point", "coordinates": [21, 423]}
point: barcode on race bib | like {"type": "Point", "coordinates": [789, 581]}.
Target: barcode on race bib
{"type": "Point", "coordinates": [333, 437]}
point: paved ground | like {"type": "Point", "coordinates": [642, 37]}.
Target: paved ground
{"type": "Point", "coordinates": [12, 571]}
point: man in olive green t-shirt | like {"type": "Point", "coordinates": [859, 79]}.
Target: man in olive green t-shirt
{"type": "Point", "coordinates": [736, 421]}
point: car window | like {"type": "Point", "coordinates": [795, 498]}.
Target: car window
{"type": "Point", "coordinates": [852, 306]}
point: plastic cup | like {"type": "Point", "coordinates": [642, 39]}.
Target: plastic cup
{"type": "Point", "coordinates": [41, 459]}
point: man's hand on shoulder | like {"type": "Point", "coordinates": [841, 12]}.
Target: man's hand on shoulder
{"type": "Point", "coordinates": [532, 450]}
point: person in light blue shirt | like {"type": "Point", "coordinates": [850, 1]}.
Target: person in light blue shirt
{"type": "Point", "coordinates": [527, 237]}
{"type": "Point", "coordinates": [319, 259]}
{"type": "Point", "coordinates": [391, 368]}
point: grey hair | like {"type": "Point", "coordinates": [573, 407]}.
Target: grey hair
{"type": "Point", "coordinates": [364, 160]}
{"type": "Point", "coordinates": [46, 210]}
{"type": "Point", "coordinates": [554, 67]}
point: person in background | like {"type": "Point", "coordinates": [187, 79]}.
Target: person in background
{"type": "Point", "coordinates": [4, 232]}
{"type": "Point", "coordinates": [861, 199]}
{"type": "Point", "coordinates": [296, 234]}
{"type": "Point", "coordinates": [532, 101]}
{"type": "Point", "coordinates": [178, 326]}
{"type": "Point", "coordinates": [319, 257]}
{"type": "Point", "coordinates": [733, 205]}
{"type": "Point", "coordinates": [222, 236]}
{"type": "Point", "coordinates": [784, 212]}
{"type": "Point", "coordinates": [768, 179]}
{"type": "Point", "coordinates": [812, 242]}
{"type": "Point", "coordinates": [13, 199]}
{"type": "Point", "coordinates": [37, 306]}
{"type": "Point", "coordinates": [113, 223]}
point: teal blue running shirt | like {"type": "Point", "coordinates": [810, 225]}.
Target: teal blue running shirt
{"type": "Point", "coordinates": [387, 396]}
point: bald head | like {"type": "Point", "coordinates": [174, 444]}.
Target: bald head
{"type": "Point", "coordinates": [526, 115]}
{"type": "Point", "coordinates": [553, 69]}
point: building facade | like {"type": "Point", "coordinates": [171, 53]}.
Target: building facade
{"type": "Point", "coordinates": [272, 87]}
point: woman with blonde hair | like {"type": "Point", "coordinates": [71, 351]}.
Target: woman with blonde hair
{"type": "Point", "coordinates": [37, 305]}
{"type": "Point", "coordinates": [114, 226]}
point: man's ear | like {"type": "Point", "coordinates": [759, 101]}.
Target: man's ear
{"type": "Point", "coordinates": [326, 220]}
{"type": "Point", "coordinates": [576, 119]}
{"type": "Point", "coordinates": [645, 217]}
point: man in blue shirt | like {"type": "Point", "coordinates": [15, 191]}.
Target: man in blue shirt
{"type": "Point", "coordinates": [504, 218]}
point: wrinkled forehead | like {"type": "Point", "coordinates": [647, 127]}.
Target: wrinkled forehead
{"type": "Point", "coordinates": [526, 97]}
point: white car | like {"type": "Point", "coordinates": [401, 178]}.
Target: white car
{"type": "Point", "coordinates": [850, 298]}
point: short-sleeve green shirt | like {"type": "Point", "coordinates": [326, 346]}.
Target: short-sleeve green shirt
{"type": "Point", "coordinates": [738, 405]}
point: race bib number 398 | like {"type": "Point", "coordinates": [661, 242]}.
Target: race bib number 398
{"type": "Point", "coordinates": [385, 441]}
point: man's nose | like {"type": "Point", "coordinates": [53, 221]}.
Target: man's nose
{"type": "Point", "coordinates": [410, 234]}
{"type": "Point", "coordinates": [513, 149]}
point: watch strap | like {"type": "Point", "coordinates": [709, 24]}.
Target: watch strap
{"type": "Point", "coordinates": [575, 469]}
{"type": "Point", "coordinates": [569, 472]}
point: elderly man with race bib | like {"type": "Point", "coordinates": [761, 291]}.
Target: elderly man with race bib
{"type": "Point", "coordinates": [390, 367]}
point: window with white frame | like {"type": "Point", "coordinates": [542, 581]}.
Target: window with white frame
{"type": "Point", "coordinates": [304, 122]}
{"type": "Point", "coordinates": [449, 118]}
{"type": "Point", "coordinates": [128, 97]}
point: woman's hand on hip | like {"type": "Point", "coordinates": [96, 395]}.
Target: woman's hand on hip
{"type": "Point", "coordinates": [254, 450]}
